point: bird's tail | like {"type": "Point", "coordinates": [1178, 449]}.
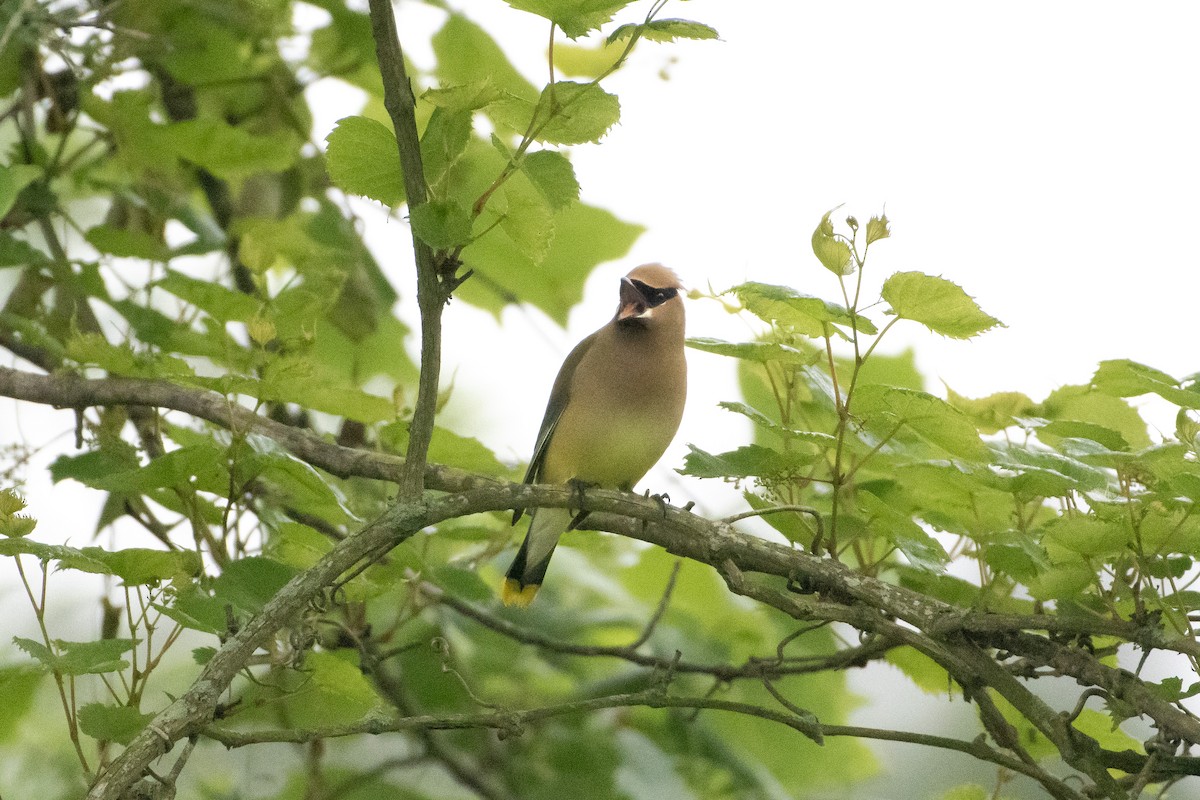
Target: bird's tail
{"type": "Point", "coordinates": [524, 576]}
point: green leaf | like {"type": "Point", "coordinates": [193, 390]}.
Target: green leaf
{"type": "Point", "coordinates": [13, 179]}
{"type": "Point", "coordinates": [442, 143]}
{"type": "Point", "coordinates": [749, 461]}
{"type": "Point", "coordinates": [932, 418]}
{"type": "Point", "coordinates": [922, 550]}
{"type": "Point", "coordinates": [298, 380]}
{"type": "Point", "coordinates": [574, 17]}
{"type": "Point", "coordinates": [1078, 475]}
{"type": "Point", "coordinates": [441, 224]}
{"type": "Point", "coordinates": [127, 243]}
{"type": "Point", "coordinates": [199, 467]}
{"type": "Point", "coordinates": [66, 557]}
{"type": "Point", "coordinates": [664, 30]}
{"type": "Point", "coordinates": [551, 172]}
{"type": "Point", "coordinates": [936, 303]}
{"type": "Point", "coordinates": [833, 252]}
{"type": "Point", "coordinates": [578, 61]}
{"type": "Point", "coordinates": [136, 565]}
{"type": "Point", "coordinates": [759, 418]}
{"type": "Point", "coordinates": [528, 219]}
{"type": "Point", "coordinates": [566, 113]}
{"type": "Point", "coordinates": [923, 671]}
{"type": "Point", "coordinates": [762, 352]}
{"type": "Point", "coordinates": [80, 658]}
{"type": "Point", "coordinates": [466, 97]}
{"type": "Point", "coordinates": [806, 314]}
{"type": "Point", "coordinates": [18, 686]}
{"type": "Point", "coordinates": [1092, 405]}
{"type": "Point", "coordinates": [112, 723]}
{"type": "Point", "coordinates": [585, 236]}
{"type": "Point", "coordinates": [466, 55]}
{"type": "Point", "coordinates": [219, 302]}
{"type": "Point", "coordinates": [18, 253]}
{"type": "Point", "coordinates": [362, 159]}
{"type": "Point", "coordinates": [1125, 378]}
{"type": "Point", "coordinates": [230, 152]}
{"type": "Point", "coordinates": [463, 584]}
{"type": "Point", "coordinates": [1054, 432]}
{"type": "Point", "coordinates": [995, 412]}
{"type": "Point", "coordinates": [878, 228]}
{"type": "Point", "coordinates": [447, 447]}
{"type": "Point", "coordinates": [249, 583]}
{"type": "Point", "coordinates": [334, 692]}
{"type": "Point", "coordinates": [1083, 535]}
{"type": "Point", "coordinates": [1062, 581]}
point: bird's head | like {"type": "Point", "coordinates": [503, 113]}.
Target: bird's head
{"type": "Point", "coordinates": [650, 292]}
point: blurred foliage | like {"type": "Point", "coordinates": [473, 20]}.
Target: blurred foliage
{"type": "Point", "coordinates": [167, 212]}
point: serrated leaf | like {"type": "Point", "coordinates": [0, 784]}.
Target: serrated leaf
{"type": "Point", "coordinates": [761, 352]}
{"type": "Point", "coordinates": [1125, 378]}
{"type": "Point", "coordinates": [664, 30]}
{"type": "Point", "coordinates": [112, 723]}
{"type": "Point", "coordinates": [80, 658]}
{"type": "Point", "coordinates": [65, 557]}
{"type": "Point", "coordinates": [938, 304]}
{"type": "Point", "coordinates": [136, 565]}
{"type": "Point", "coordinates": [806, 314]}
{"type": "Point", "coordinates": [749, 461]}
{"type": "Point", "coordinates": [878, 228]}
{"type": "Point", "coordinates": [931, 417]}
{"type": "Point", "coordinates": [574, 17]}
{"type": "Point", "coordinates": [833, 253]}
{"type": "Point", "coordinates": [553, 175]}
{"type": "Point", "coordinates": [362, 159]}
{"type": "Point", "coordinates": [759, 418]}
{"type": "Point", "coordinates": [566, 113]}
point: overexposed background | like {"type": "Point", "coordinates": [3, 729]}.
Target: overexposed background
{"type": "Point", "coordinates": [1041, 155]}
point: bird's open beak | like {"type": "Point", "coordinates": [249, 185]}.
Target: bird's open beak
{"type": "Point", "coordinates": [633, 304]}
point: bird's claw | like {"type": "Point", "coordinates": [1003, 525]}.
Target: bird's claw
{"type": "Point", "coordinates": [663, 501]}
{"type": "Point", "coordinates": [578, 487]}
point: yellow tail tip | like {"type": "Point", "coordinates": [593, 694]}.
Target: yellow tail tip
{"type": "Point", "coordinates": [512, 593]}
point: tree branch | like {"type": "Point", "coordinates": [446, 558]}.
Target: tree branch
{"type": "Point", "coordinates": [431, 296]}
{"type": "Point", "coordinates": [949, 635]}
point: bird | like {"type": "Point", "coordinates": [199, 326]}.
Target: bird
{"type": "Point", "coordinates": [614, 408]}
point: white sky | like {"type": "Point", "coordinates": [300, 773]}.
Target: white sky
{"type": "Point", "coordinates": [1043, 156]}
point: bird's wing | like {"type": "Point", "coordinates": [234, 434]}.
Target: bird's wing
{"type": "Point", "coordinates": [560, 395]}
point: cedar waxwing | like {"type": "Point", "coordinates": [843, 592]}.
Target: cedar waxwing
{"type": "Point", "coordinates": [614, 408]}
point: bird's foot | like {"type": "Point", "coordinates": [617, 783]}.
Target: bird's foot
{"type": "Point", "coordinates": [663, 501]}
{"type": "Point", "coordinates": [578, 487]}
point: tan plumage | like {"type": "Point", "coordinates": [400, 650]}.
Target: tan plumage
{"type": "Point", "coordinates": [614, 408]}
